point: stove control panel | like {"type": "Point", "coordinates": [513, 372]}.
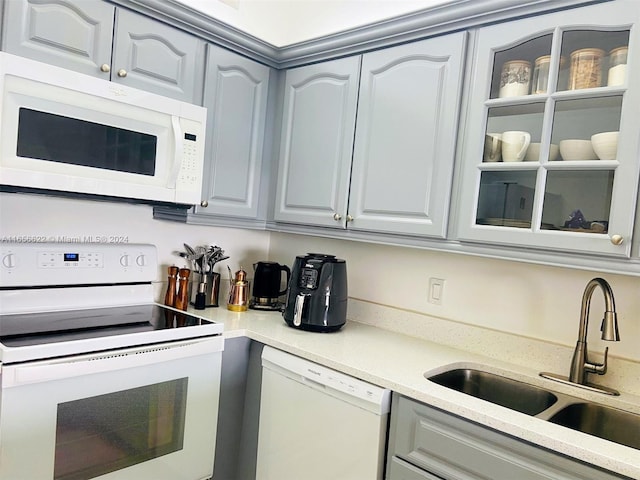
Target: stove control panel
{"type": "Point", "coordinates": [70, 260]}
{"type": "Point", "coordinates": [47, 264]}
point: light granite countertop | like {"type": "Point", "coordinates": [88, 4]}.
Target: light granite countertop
{"type": "Point", "coordinates": [398, 362]}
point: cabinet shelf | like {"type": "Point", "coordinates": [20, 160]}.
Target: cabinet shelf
{"type": "Point", "coordinates": [508, 166]}
{"type": "Point", "coordinates": [582, 165]}
{"type": "Point", "coordinates": [550, 165]}
{"type": "Point", "coordinates": [517, 105]}
{"type": "Point", "coordinates": [523, 104]}
{"type": "Point", "coordinates": [589, 93]}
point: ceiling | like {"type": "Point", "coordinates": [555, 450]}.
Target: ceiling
{"type": "Point", "coordinates": [286, 22]}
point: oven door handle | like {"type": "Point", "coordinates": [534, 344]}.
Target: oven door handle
{"type": "Point", "coordinates": [48, 370]}
{"type": "Point", "coordinates": [177, 157]}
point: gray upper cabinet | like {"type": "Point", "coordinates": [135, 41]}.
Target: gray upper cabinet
{"type": "Point", "coordinates": [98, 39]}
{"type": "Point", "coordinates": [73, 35]}
{"type": "Point", "coordinates": [316, 143]}
{"type": "Point", "coordinates": [235, 95]}
{"type": "Point", "coordinates": [550, 101]}
{"type": "Point", "coordinates": [394, 174]}
{"type": "Point", "coordinates": [405, 137]}
{"type": "Point", "coordinates": [158, 58]}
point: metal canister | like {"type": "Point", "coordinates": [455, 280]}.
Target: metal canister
{"type": "Point", "coordinates": [239, 292]}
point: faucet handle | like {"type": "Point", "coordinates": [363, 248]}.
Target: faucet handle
{"type": "Point", "coordinates": [599, 368]}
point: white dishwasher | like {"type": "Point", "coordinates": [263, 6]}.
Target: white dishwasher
{"type": "Point", "coordinates": [318, 424]}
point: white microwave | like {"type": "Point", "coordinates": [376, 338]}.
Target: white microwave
{"type": "Point", "coordinates": [62, 131]}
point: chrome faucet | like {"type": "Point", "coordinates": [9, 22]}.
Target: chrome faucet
{"type": "Point", "coordinates": [580, 364]}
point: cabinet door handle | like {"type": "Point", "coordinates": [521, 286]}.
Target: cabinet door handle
{"type": "Point", "coordinates": [349, 218]}
{"type": "Point", "coordinates": [337, 217]}
{"type": "Point", "coordinates": [105, 68]}
{"type": "Point", "coordinates": [204, 203]}
{"type": "Point", "coordinates": [617, 239]}
{"type": "Point", "coordinates": [122, 73]}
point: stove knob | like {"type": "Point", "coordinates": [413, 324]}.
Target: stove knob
{"type": "Point", "coordinates": [124, 260]}
{"type": "Point", "coordinates": [9, 260]}
{"type": "Point", "coordinates": [141, 260]}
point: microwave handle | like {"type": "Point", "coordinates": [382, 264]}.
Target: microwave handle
{"type": "Point", "coordinates": [177, 158]}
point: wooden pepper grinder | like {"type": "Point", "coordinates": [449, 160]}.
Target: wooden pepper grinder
{"type": "Point", "coordinates": [182, 300]}
{"type": "Point", "coordinates": [172, 287]}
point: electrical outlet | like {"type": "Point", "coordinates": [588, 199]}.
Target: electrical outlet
{"type": "Point", "coordinates": [436, 290]}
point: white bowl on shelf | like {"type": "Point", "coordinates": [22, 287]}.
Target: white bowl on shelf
{"type": "Point", "coordinates": [605, 145]}
{"type": "Point", "coordinates": [576, 149]}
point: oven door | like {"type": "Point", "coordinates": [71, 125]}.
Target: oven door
{"type": "Point", "coordinates": [147, 412]}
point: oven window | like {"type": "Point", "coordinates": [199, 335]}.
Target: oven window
{"type": "Point", "coordinates": [45, 136]}
{"type": "Point", "coordinates": [102, 434]}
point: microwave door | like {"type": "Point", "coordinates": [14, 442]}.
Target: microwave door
{"type": "Point", "coordinates": [61, 139]}
{"type": "Point", "coordinates": [73, 141]}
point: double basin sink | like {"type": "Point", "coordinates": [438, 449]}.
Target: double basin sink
{"type": "Point", "coordinates": [588, 417]}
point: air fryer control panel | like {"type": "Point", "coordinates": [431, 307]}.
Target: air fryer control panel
{"type": "Point", "coordinates": [309, 275]}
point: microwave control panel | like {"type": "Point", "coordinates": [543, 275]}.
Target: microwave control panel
{"type": "Point", "coordinates": [188, 179]}
{"type": "Point", "coordinates": [189, 172]}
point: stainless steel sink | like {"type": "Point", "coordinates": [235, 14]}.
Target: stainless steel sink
{"type": "Point", "coordinates": [604, 422]}
{"type": "Point", "coordinates": [497, 389]}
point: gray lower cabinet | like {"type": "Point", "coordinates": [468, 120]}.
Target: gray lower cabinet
{"type": "Point", "coordinates": [400, 470]}
{"type": "Point", "coordinates": [96, 38]}
{"type": "Point", "coordinates": [427, 443]}
{"type": "Point", "coordinates": [235, 95]}
{"type": "Point", "coordinates": [390, 171]}
{"type": "Point", "coordinates": [239, 410]}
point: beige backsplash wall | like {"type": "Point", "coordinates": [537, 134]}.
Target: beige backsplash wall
{"type": "Point", "coordinates": [534, 301]}
{"type": "Point", "coordinates": [33, 215]}
{"type": "Point", "coordinates": [529, 300]}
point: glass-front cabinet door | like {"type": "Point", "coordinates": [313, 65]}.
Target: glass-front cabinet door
{"type": "Point", "coordinates": [550, 155]}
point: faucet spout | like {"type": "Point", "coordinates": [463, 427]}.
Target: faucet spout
{"type": "Point", "coordinates": [580, 364]}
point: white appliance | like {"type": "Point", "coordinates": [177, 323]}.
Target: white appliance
{"type": "Point", "coordinates": [318, 424]}
{"type": "Point", "coordinates": [97, 380]}
{"type": "Point", "coordinates": [68, 132]}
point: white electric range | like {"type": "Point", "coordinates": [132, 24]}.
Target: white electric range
{"type": "Point", "coordinates": [108, 383]}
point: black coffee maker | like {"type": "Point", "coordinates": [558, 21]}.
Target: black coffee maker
{"type": "Point", "coordinates": [317, 294]}
{"type": "Point", "coordinates": [267, 278]}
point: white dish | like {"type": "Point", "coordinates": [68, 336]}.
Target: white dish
{"type": "Point", "coordinates": [575, 149]}
{"type": "Point", "coordinates": [605, 145]}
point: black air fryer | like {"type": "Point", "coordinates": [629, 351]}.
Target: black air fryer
{"type": "Point", "coordinates": [317, 294]}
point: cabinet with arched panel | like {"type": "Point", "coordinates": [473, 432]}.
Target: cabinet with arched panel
{"type": "Point", "coordinates": [368, 142]}
{"type": "Point", "coordinates": [96, 38]}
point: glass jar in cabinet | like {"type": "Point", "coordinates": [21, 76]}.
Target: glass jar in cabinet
{"type": "Point", "coordinates": [554, 167]}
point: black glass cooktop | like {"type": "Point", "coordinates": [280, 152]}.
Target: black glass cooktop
{"type": "Point", "coordinates": [26, 329]}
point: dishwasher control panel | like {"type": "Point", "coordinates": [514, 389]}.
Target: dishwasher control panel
{"type": "Point", "coordinates": [370, 396]}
